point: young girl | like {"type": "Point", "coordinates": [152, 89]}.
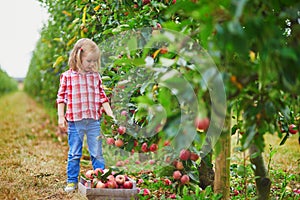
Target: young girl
{"type": "Point", "coordinates": [81, 91]}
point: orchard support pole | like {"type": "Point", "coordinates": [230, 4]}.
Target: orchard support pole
{"type": "Point", "coordinates": [222, 166]}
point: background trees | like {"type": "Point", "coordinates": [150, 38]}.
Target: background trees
{"type": "Point", "coordinates": [8, 84]}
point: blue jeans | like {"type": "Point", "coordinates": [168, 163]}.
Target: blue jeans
{"type": "Point", "coordinates": [76, 132]}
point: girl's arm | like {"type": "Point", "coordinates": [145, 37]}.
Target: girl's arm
{"type": "Point", "coordinates": [108, 110]}
{"type": "Point", "coordinates": [62, 124]}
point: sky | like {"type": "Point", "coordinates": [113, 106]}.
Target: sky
{"type": "Point", "coordinates": [21, 22]}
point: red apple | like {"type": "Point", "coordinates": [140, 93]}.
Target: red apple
{"type": "Point", "coordinates": [95, 181]}
{"type": "Point", "coordinates": [167, 181]}
{"type": "Point", "coordinates": [119, 143]}
{"type": "Point", "coordinates": [135, 5]}
{"type": "Point", "coordinates": [140, 181]}
{"type": "Point", "coordinates": [111, 184]}
{"type": "Point", "coordinates": [174, 1]}
{"type": "Point", "coordinates": [235, 192]}
{"type": "Point", "coordinates": [121, 130]}
{"type": "Point", "coordinates": [167, 143]}
{"type": "Point", "coordinates": [157, 27]}
{"type": "Point", "coordinates": [137, 162]}
{"type": "Point", "coordinates": [110, 141]}
{"type": "Point", "coordinates": [120, 179]}
{"type": "Point", "coordinates": [293, 129]}
{"type": "Point", "coordinates": [153, 147]}
{"type": "Point", "coordinates": [146, 192]}
{"type": "Point", "coordinates": [98, 171]}
{"type": "Point", "coordinates": [164, 50]}
{"type": "Point", "coordinates": [146, 2]}
{"type": "Point", "coordinates": [202, 123]}
{"type": "Point", "coordinates": [110, 177]}
{"type": "Point", "coordinates": [100, 184]}
{"type": "Point", "coordinates": [172, 196]}
{"type": "Point", "coordinates": [185, 179]}
{"type": "Point", "coordinates": [194, 156]}
{"type": "Point", "coordinates": [145, 147]}
{"type": "Point", "coordinates": [90, 174]}
{"type": "Point", "coordinates": [177, 175]}
{"type": "Point", "coordinates": [124, 113]}
{"type": "Point", "coordinates": [179, 165]}
{"type": "Point", "coordinates": [184, 154]}
{"type": "Point", "coordinates": [151, 162]}
{"type": "Point", "coordinates": [120, 163]}
{"type": "Point", "coordinates": [128, 185]}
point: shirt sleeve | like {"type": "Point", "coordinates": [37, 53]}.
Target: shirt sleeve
{"type": "Point", "coordinates": [62, 91]}
{"type": "Point", "coordinates": [103, 97]}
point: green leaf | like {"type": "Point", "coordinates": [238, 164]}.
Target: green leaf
{"type": "Point", "coordinates": [251, 131]}
{"type": "Point", "coordinates": [165, 171]}
{"type": "Point", "coordinates": [284, 139]}
{"type": "Point", "coordinates": [242, 171]}
{"type": "Point", "coordinates": [289, 53]}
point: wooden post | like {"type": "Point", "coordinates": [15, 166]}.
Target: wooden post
{"type": "Point", "coordinates": [222, 166]}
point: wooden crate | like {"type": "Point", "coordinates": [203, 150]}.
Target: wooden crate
{"type": "Point", "coordinates": [106, 193]}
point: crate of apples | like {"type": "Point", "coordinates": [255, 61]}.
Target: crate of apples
{"type": "Point", "coordinates": [107, 184]}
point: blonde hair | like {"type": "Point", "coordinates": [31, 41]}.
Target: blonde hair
{"type": "Point", "coordinates": [82, 46]}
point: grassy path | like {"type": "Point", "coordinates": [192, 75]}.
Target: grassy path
{"type": "Point", "coordinates": [32, 163]}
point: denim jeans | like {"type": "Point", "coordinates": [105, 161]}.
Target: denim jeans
{"type": "Point", "coordinates": [76, 132]}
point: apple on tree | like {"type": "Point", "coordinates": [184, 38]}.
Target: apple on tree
{"type": "Point", "coordinates": [124, 113]}
{"type": "Point", "coordinates": [153, 147]}
{"type": "Point", "coordinates": [145, 147]}
{"type": "Point", "coordinates": [121, 130]}
{"type": "Point", "coordinates": [184, 154]}
{"type": "Point", "coordinates": [119, 143]}
{"type": "Point", "coordinates": [185, 179]}
{"type": "Point", "coordinates": [179, 165]}
{"type": "Point", "coordinates": [177, 175]}
{"type": "Point", "coordinates": [202, 123]}
{"type": "Point", "coordinates": [194, 156]}
{"type": "Point", "coordinates": [293, 129]}
{"type": "Point", "coordinates": [110, 141]}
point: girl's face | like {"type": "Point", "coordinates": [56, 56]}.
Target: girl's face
{"type": "Point", "coordinates": [90, 61]}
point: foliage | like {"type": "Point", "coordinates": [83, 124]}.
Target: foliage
{"type": "Point", "coordinates": [7, 84]}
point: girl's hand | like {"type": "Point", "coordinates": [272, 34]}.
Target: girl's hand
{"type": "Point", "coordinates": [62, 124]}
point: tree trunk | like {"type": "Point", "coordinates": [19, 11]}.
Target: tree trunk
{"type": "Point", "coordinates": [222, 169]}
{"type": "Point", "coordinates": [206, 172]}
{"type": "Point", "coordinates": [263, 183]}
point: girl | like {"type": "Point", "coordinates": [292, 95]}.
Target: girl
{"type": "Point", "coordinates": [81, 91]}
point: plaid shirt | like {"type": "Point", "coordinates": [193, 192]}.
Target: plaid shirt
{"type": "Point", "coordinates": [82, 93]}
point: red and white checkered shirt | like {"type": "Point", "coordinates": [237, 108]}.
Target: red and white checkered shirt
{"type": "Point", "coordinates": [82, 93]}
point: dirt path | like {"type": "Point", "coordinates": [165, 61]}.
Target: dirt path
{"type": "Point", "coordinates": [32, 161]}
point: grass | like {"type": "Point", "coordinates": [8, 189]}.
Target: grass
{"type": "Point", "coordinates": [33, 158]}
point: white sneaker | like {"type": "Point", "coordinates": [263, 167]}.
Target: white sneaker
{"type": "Point", "coordinates": [71, 187]}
